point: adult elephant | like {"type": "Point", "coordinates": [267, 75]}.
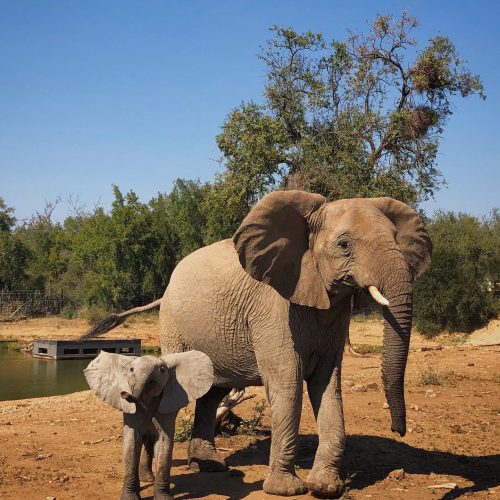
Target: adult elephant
{"type": "Point", "coordinates": [272, 306]}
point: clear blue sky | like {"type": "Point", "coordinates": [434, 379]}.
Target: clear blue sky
{"type": "Point", "coordinates": [133, 93]}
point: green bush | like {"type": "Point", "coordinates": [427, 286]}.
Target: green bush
{"type": "Point", "coordinates": [454, 294]}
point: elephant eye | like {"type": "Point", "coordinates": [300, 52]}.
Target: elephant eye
{"type": "Point", "coordinates": [162, 368]}
{"type": "Point", "coordinates": [344, 245]}
{"type": "Point", "coordinates": [131, 368]}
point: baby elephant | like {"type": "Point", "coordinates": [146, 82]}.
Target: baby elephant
{"type": "Point", "coordinates": [149, 391]}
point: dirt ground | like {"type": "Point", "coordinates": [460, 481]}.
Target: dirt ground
{"type": "Point", "coordinates": [70, 446]}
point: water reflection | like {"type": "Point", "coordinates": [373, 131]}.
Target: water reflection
{"type": "Point", "coordinates": [22, 376]}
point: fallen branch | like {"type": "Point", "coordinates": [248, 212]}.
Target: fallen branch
{"type": "Point", "coordinates": [234, 398]}
{"type": "Point", "coordinates": [16, 311]}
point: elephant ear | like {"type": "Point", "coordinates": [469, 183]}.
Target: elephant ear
{"type": "Point", "coordinates": [107, 377]}
{"type": "Point", "coordinates": [191, 375]}
{"type": "Point", "coordinates": [272, 244]}
{"type": "Point", "coordinates": [411, 235]}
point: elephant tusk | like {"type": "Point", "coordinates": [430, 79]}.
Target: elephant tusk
{"type": "Point", "coordinates": [377, 296]}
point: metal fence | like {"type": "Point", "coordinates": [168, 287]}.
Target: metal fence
{"type": "Point", "coordinates": [26, 303]}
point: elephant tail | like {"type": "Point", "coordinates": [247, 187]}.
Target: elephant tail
{"type": "Point", "coordinates": [113, 320]}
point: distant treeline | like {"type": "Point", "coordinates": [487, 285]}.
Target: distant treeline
{"type": "Point", "coordinates": [110, 260]}
{"type": "Point", "coordinates": [114, 260]}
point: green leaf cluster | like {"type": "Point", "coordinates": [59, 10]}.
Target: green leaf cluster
{"type": "Point", "coordinates": [456, 292]}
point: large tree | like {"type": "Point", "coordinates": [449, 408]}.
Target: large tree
{"type": "Point", "coordinates": [356, 117]}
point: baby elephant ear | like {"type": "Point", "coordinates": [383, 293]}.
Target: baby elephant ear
{"type": "Point", "coordinates": [107, 377]}
{"type": "Point", "coordinates": [191, 376]}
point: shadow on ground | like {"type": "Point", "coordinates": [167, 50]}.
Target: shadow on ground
{"type": "Point", "coordinates": [228, 484]}
{"type": "Point", "coordinates": [369, 459]}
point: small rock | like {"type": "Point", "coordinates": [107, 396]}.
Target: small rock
{"type": "Point", "coordinates": [50, 498]}
{"type": "Point", "coordinates": [373, 386]}
{"type": "Point", "coordinates": [431, 348]}
{"type": "Point", "coordinates": [349, 383]}
{"type": "Point", "coordinates": [443, 486]}
{"type": "Point", "coordinates": [415, 407]}
{"type": "Point", "coordinates": [385, 406]}
{"type": "Point", "coordinates": [470, 364]}
{"type": "Point", "coordinates": [397, 474]}
{"type": "Point", "coordinates": [359, 388]}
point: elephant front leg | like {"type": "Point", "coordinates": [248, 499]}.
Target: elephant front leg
{"type": "Point", "coordinates": [163, 453]}
{"type": "Point", "coordinates": [132, 443]}
{"type": "Point", "coordinates": [326, 400]}
{"type": "Point", "coordinates": [286, 405]}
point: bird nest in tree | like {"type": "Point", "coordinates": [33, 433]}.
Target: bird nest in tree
{"type": "Point", "coordinates": [428, 75]}
{"type": "Point", "coordinates": [418, 121]}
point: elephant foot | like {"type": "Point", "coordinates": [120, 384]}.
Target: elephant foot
{"type": "Point", "coordinates": [130, 495]}
{"type": "Point", "coordinates": [325, 483]}
{"type": "Point", "coordinates": [203, 457]}
{"type": "Point", "coordinates": [284, 484]}
{"type": "Point", "coordinates": [146, 475]}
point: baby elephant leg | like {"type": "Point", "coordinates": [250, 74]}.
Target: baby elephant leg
{"type": "Point", "coordinates": [132, 443]}
{"type": "Point", "coordinates": [163, 453]}
{"type": "Point", "coordinates": [146, 464]}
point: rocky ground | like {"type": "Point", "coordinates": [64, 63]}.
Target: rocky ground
{"type": "Point", "coordinates": [70, 446]}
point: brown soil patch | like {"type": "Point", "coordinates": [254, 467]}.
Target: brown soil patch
{"type": "Point", "coordinates": [144, 327]}
{"type": "Point", "coordinates": [70, 446]}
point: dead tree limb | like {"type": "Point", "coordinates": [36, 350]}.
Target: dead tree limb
{"type": "Point", "coordinates": [234, 398]}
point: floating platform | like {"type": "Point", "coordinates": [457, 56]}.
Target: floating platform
{"type": "Point", "coordinates": [78, 349]}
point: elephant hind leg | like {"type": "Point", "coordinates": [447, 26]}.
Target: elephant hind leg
{"type": "Point", "coordinates": [202, 454]}
{"type": "Point", "coordinates": [146, 464]}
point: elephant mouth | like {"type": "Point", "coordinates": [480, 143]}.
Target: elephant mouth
{"type": "Point", "coordinates": [342, 287]}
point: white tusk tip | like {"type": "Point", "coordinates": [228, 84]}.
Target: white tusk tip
{"type": "Point", "coordinates": [377, 296]}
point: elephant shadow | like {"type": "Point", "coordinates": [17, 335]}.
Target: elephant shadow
{"type": "Point", "coordinates": [369, 459]}
{"type": "Point", "coordinates": [227, 484]}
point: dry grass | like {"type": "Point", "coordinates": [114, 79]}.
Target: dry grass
{"type": "Point", "coordinates": [368, 349]}
{"type": "Point", "coordinates": [428, 376]}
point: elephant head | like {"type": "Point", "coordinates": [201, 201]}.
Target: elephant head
{"type": "Point", "coordinates": [313, 253]}
{"type": "Point", "coordinates": [127, 381]}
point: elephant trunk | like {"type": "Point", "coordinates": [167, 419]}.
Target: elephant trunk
{"type": "Point", "coordinates": [397, 330]}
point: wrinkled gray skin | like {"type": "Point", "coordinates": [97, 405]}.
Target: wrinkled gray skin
{"type": "Point", "coordinates": [272, 306]}
{"type": "Point", "coordinates": [149, 391]}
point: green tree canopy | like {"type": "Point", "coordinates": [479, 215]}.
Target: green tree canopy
{"type": "Point", "coordinates": [7, 219]}
{"type": "Point", "coordinates": [345, 118]}
{"type": "Point", "coordinates": [13, 253]}
{"type": "Point", "coordinates": [455, 293]}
